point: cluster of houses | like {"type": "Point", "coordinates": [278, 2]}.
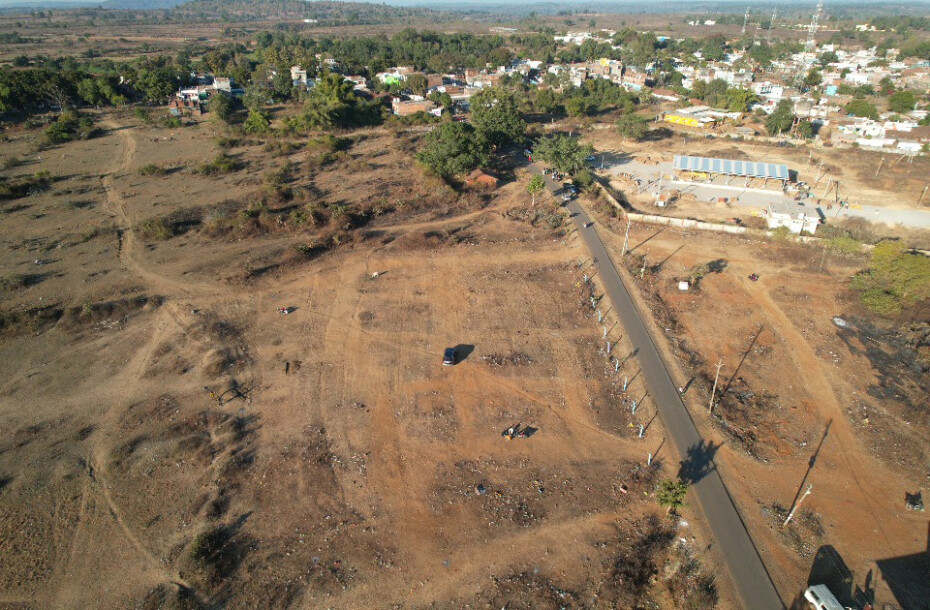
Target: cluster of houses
{"type": "Point", "coordinates": [191, 100]}
{"type": "Point", "coordinates": [823, 104]}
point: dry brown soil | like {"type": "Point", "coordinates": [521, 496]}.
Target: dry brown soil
{"type": "Point", "coordinates": [336, 463]}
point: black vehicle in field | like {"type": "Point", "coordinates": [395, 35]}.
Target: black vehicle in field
{"type": "Point", "coordinates": [449, 356]}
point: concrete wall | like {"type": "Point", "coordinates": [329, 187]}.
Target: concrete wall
{"type": "Point", "coordinates": [684, 223]}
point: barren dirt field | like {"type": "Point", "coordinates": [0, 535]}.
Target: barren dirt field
{"type": "Point", "coordinates": [171, 440]}
{"type": "Point", "coordinates": [799, 391]}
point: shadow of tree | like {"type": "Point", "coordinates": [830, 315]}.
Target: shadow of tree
{"type": "Point", "coordinates": [699, 462]}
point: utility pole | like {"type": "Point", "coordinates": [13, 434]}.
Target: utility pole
{"type": "Point", "coordinates": [626, 237]}
{"type": "Point", "coordinates": [819, 174]}
{"type": "Point", "coordinates": [642, 271]}
{"type": "Point", "coordinates": [797, 504]}
{"type": "Point", "coordinates": [710, 407]}
{"type": "Point", "coordinates": [880, 166]}
{"type": "Point", "coordinates": [922, 193]}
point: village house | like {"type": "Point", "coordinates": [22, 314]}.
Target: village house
{"type": "Point", "coordinates": [298, 75]}
{"type": "Point", "coordinates": [634, 79]}
{"type": "Point", "coordinates": [180, 107]}
{"type": "Point", "coordinates": [360, 81]}
{"type": "Point", "coordinates": [797, 219]}
{"type": "Point", "coordinates": [408, 107]}
{"type": "Point", "coordinates": [666, 94]}
{"type": "Point", "coordinates": [394, 76]}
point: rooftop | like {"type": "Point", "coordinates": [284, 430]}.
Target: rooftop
{"type": "Point", "coordinates": [776, 171]}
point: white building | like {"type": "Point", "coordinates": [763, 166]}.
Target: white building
{"type": "Point", "coordinates": [797, 219]}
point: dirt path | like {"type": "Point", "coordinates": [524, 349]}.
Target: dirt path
{"type": "Point", "coordinates": [128, 246]}
{"type": "Point", "coordinates": [872, 492]}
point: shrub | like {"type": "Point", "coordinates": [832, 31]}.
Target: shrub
{"type": "Point", "coordinates": [152, 169]}
{"type": "Point", "coordinates": [226, 143]}
{"type": "Point", "coordinates": [11, 162]}
{"type": "Point", "coordinates": [781, 233]}
{"type": "Point", "coordinates": [69, 126]}
{"type": "Point", "coordinates": [895, 279]}
{"type": "Point", "coordinates": [221, 164]}
{"type": "Point", "coordinates": [143, 115]}
{"type": "Point", "coordinates": [22, 186]}
{"type": "Point", "coordinates": [843, 244]}
{"type": "Point", "coordinates": [156, 229]}
{"type": "Point", "coordinates": [169, 121]}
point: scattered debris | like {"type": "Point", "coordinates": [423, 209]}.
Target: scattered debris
{"type": "Point", "coordinates": [515, 359]}
{"type": "Point", "coordinates": [518, 432]}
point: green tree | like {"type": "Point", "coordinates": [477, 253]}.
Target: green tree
{"type": "Point", "coordinates": [828, 57]}
{"type": "Point", "coordinates": [496, 118]}
{"type": "Point", "coordinates": [805, 129]}
{"type": "Point", "coordinates": [258, 121]}
{"type": "Point", "coordinates": [886, 86]}
{"type": "Point", "coordinates": [902, 101]}
{"type": "Point", "coordinates": [157, 84]}
{"type": "Point", "coordinates": [672, 494]}
{"type": "Point", "coordinates": [221, 106]}
{"type": "Point", "coordinates": [781, 119]}
{"type": "Point", "coordinates": [567, 155]}
{"type": "Point", "coordinates": [333, 103]}
{"type": "Point", "coordinates": [862, 108]}
{"type": "Point", "coordinates": [632, 126]}
{"type": "Point", "coordinates": [578, 106]}
{"type": "Point", "coordinates": [536, 185]}
{"type": "Point", "coordinates": [417, 83]}
{"type": "Point", "coordinates": [739, 100]}
{"type": "Point", "coordinates": [255, 97]}
{"type": "Point", "coordinates": [813, 78]}
{"type": "Point", "coordinates": [453, 149]}
{"type": "Point", "coordinates": [282, 86]}
{"type": "Point", "coordinates": [440, 99]}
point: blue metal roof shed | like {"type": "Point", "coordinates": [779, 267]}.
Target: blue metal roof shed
{"type": "Point", "coordinates": [775, 171]}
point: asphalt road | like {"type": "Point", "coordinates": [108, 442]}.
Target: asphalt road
{"type": "Point", "coordinates": [734, 543]}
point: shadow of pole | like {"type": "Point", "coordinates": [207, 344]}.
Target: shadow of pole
{"type": "Point", "coordinates": [645, 240]}
{"type": "Point", "coordinates": [752, 344]}
{"type": "Point", "coordinates": [811, 462]}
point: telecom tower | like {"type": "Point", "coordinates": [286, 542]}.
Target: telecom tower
{"type": "Point", "coordinates": [743, 34]}
{"type": "Point", "coordinates": [811, 41]}
{"type": "Point", "coordinates": [768, 35]}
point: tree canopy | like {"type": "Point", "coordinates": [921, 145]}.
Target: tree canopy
{"type": "Point", "coordinates": [862, 108]}
{"type": "Point", "coordinates": [902, 101]}
{"type": "Point", "coordinates": [496, 118]}
{"type": "Point", "coordinates": [453, 149]}
{"type": "Point", "coordinates": [567, 155]}
{"type": "Point", "coordinates": [781, 119]}
{"type": "Point", "coordinates": [334, 103]}
{"type": "Point", "coordinates": [631, 125]}
{"type": "Point", "coordinates": [536, 185]}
